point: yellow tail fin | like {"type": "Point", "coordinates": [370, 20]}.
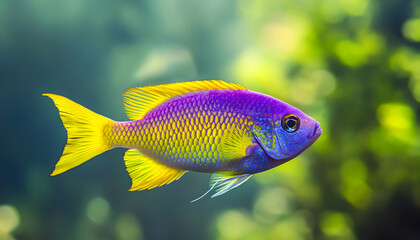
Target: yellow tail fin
{"type": "Point", "coordinates": [85, 137]}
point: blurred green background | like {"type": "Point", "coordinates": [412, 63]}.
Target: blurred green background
{"type": "Point", "coordinates": [354, 65]}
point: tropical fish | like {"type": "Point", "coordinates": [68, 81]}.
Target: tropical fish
{"type": "Point", "coordinates": [203, 126]}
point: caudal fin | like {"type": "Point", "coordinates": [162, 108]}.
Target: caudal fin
{"type": "Point", "coordinates": [85, 138]}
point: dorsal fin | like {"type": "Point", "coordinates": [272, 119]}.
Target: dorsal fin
{"type": "Point", "coordinates": [140, 100]}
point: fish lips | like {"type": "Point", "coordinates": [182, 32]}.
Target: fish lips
{"type": "Point", "coordinates": [314, 135]}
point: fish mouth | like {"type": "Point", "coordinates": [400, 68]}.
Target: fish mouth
{"type": "Point", "coordinates": [316, 132]}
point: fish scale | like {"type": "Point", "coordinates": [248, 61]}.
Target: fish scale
{"type": "Point", "coordinates": [192, 127]}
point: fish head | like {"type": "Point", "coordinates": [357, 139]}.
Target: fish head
{"type": "Point", "coordinates": [295, 132]}
{"type": "Point", "coordinates": [287, 133]}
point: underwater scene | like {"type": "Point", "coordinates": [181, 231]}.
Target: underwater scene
{"type": "Point", "coordinates": [195, 119]}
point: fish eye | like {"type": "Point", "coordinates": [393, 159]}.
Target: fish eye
{"type": "Point", "coordinates": [290, 123]}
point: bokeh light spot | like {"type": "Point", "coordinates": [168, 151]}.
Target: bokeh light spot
{"type": "Point", "coordinates": [283, 38]}
{"type": "Point", "coordinates": [316, 85]}
{"type": "Point", "coordinates": [350, 53]}
{"type": "Point", "coordinates": [128, 227]}
{"type": "Point", "coordinates": [286, 230]}
{"type": "Point", "coordinates": [331, 11]}
{"type": "Point", "coordinates": [395, 116]}
{"type": "Point", "coordinates": [234, 224]}
{"type": "Point", "coordinates": [398, 119]}
{"type": "Point", "coordinates": [353, 169]}
{"type": "Point", "coordinates": [372, 43]}
{"type": "Point", "coordinates": [165, 60]}
{"type": "Point", "coordinates": [270, 204]}
{"type": "Point", "coordinates": [336, 224]}
{"type": "Point", "coordinates": [259, 72]}
{"type": "Point", "coordinates": [354, 7]}
{"type": "Point", "coordinates": [411, 29]}
{"type": "Point", "coordinates": [9, 219]}
{"type": "Point", "coordinates": [354, 187]}
{"type": "Point", "coordinates": [98, 210]}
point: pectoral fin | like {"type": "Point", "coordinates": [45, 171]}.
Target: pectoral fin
{"type": "Point", "coordinates": [235, 143]}
{"type": "Point", "coordinates": [224, 183]}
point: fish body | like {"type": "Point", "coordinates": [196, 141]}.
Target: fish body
{"type": "Point", "coordinates": [202, 126]}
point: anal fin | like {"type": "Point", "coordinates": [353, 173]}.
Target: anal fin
{"type": "Point", "coordinates": [146, 173]}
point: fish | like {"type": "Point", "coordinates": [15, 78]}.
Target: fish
{"type": "Point", "coordinates": [207, 126]}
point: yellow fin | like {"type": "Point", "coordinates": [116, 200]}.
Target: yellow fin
{"type": "Point", "coordinates": [84, 133]}
{"type": "Point", "coordinates": [140, 100]}
{"type": "Point", "coordinates": [146, 173]}
{"type": "Point", "coordinates": [235, 142]}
